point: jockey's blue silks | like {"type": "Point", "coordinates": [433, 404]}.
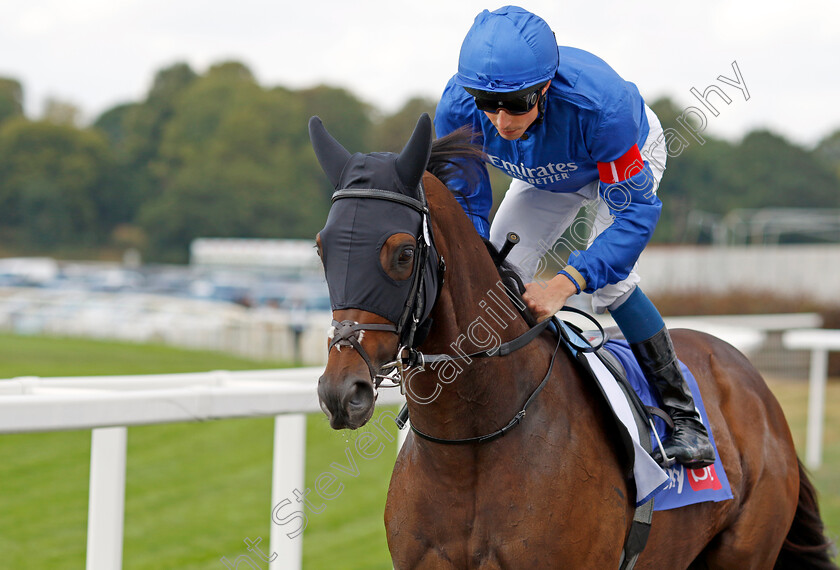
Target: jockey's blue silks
{"type": "Point", "coordinates": [356, 230]}
{"type": "Point", "coordinates": [637, 317]}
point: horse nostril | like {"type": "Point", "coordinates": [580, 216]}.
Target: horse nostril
{"type": "Point", "coordinates": [360, 395]}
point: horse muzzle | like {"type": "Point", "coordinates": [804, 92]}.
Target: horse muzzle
{"type": "Point", "coordinates": [348, 403]}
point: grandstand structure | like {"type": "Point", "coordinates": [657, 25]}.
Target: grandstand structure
{"type": "Point", "coordinates": [764, 226]}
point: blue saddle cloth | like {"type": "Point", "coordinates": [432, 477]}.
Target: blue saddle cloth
{"type": "Point", "coordinates": [684, 486]}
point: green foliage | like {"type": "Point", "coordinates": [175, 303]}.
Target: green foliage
{"type": "Point", "coordinates": [393, 132]}
{"type": "Point", "coordinates": [61, 113]}
{"type": "Point", "coordinates": [52, 187]}
{"type": "Point", "coordinates": [232, 164]}
{"type": "Point", "coordinates": [828, 151]}
{"type": "Point", "coordinates": [763, 170]}
{"type": "Point", "coordinates": [134, 131]}
{"type": "Point", "coordinates": [217, 154]}
{"type": "Point", "coordinates": [11, 99]}
{"type": "Point", "coordinates": [348, 119]}
{"type": "Point", "coordinates": [775, 173]}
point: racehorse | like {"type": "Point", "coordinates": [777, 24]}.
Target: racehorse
{"type": "Point", "coordinates": [409, 276]}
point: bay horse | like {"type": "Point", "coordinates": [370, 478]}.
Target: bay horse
{"type": "Point", "coordinates": [554, 492]}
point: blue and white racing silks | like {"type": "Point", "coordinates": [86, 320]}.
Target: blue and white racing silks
{"type": "Point", "coordinates": [591, 116]}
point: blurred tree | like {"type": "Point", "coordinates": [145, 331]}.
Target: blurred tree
{"type": "Point", "coordinates": [698, 179]}
{"type": "Point", "coordinates": [347, 118]}
{"type": "Point", "coordinates": [235, 161]}
{"type": "Point", "coordinates": [114, 124]}
{"type": "Point", "coordinates": [771, 172]}
{"type": "Point", "coordinates": [11, 99]}
{"type": "Point", "coordinates": [62, 113]}
{"type": "Point", "coordinates": [217, 154]}
{"type": "Point", "coordinates": [828, 151]}
{"type": "Point", "coordinates": [391, 133]}
{"type": "Point", "coordinates": [761, 171]}
{"type": "Point", "coordinates": [134, 131]}
{"type": "Point", "coordinates": [667, 112]}
{"type": "Point", "coordinates": [51, 182]}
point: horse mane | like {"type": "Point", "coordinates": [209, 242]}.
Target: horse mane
{"type": "Point", "coordinates": [457, 155]}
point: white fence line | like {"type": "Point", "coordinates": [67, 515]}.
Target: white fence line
{"type": "Point", "coordinates": [107, 404]}
{"type": "Point", "coordinates": [819, 342]}
{"type": "Point", "coordinates": [266, 333]}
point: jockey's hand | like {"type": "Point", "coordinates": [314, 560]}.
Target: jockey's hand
{"type": "Point", "coordinates": [544, 298]}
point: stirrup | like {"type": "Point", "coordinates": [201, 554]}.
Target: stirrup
{"type": "Point", "coordinates": [664, 460]}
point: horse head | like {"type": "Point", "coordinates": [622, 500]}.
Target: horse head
{"type": "Point", "coordinates": [380, 263]}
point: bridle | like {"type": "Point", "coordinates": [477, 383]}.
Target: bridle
{"type": "Point", "coordinates": [349, 333]}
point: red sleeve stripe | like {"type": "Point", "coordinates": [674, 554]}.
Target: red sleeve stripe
{"type": "Point", "coordinates": [623, 167]}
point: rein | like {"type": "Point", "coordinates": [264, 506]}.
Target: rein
{"type": "Point", "coordinates": [520, 414]}
{"type": "Point", "coordinates": [503, 350]}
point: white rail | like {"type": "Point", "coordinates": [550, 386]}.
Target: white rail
{"type": "Point", "coordinates": [820, 342]}
{"type": "Point", "coordinates": [108, 404]}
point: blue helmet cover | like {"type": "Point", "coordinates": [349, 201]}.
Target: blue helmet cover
{"type": "Point", "coordinates": [507, 50]}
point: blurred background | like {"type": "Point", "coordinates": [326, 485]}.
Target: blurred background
{"type": "Point", "coordinates": [158, 193]}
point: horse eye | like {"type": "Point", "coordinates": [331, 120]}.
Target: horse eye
{"type": "Point", "coordinates": [406, 255]}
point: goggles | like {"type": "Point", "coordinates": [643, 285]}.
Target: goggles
{"type": "Point", "coordinates": [515, 103]}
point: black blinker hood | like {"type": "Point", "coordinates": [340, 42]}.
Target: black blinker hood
{"type": "Point", "coordinates": [377, 195]}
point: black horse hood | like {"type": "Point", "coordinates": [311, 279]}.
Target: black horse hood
{"type": "Point", "coordinates": [375, 170]}
{"type": "Point", "coordinates": [359, 225]}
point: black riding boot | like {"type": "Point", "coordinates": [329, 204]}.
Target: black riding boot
{"type": "Point", "coordinates": [689, 443]}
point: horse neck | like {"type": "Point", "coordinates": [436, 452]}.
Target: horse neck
{"type": "Point", "coordinates": [473, 313]}
{"type": "Point", "coordinates": [473, 294]}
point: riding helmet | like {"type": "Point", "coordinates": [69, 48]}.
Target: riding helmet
{"type": "Point", "coordinates": [507, 50]}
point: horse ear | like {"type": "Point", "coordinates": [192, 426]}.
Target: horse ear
{"type": "Point", "coordinates": [412, 161]}
{"type": "Point", "coordinates": [331, 155]}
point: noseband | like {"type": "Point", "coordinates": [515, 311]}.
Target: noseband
{"type": "Point", "coordinates": [350, 333]}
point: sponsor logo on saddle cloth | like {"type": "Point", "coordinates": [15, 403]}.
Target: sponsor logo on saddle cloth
{"type": "Point", "coordinates": [684, 486]}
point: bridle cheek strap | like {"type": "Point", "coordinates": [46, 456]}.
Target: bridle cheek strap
{"type": "Point", "coordinates": [349, 333]}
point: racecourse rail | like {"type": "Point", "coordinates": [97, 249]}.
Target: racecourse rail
{"type": "Point", "coordinates": [108, 404]}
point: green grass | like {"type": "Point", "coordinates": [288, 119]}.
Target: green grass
{"type": "Point", "coordinates": [195, 492]}
{"type": "Point", "coordinates": [793, 397]}
{"type": "Point", "coordinates": [43, 356]}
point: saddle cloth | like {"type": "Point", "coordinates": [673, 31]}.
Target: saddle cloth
{"type": "Point", "coordinates": [675, 486]}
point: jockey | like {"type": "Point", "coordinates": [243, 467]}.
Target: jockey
{"type": "Point", "coordinates": [571, 133]}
